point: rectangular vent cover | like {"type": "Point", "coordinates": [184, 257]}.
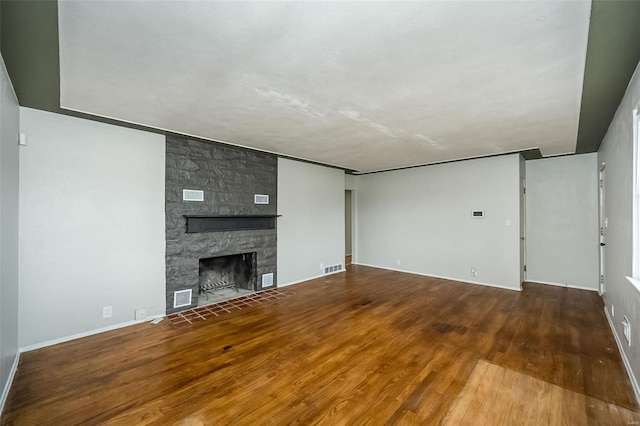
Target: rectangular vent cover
{"type": "Point", "coordinates": [626, 329]}
{"type": "Point", "coordinates": [260, 199]}
{"type": "Point", "coordinates": [181, 298]}
{"type": "Point", "coordinates": [333, 268]}
{"type": "Point", "coordinates": [192, 195]}
{"type": "Point", "coordinates": [267, 280]}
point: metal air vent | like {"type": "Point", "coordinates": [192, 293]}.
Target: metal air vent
{"type": "Point", "coordinates": [181, 298]}
{"type": "Point", "coordinates": [192, 195]}
{"type": "Point", "coordinates": [261, 199]}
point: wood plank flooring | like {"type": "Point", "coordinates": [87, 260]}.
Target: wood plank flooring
{"type": "Point", "coordinates": [525, 400]}
{"type": "Point", "coordinates": [368, 346]}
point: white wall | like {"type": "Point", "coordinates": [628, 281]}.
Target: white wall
{"type": "Point", "coordinates": [9, 162]}
{"type": "Point", "coordinates": [522, 207]}
{"type": "Point", "coordinates": [562, 221]}
{"type": "Point", "coordinates": [311, 229]}
{"type": "Point", "coordinates": [419, 220]}
{"type": "Point", "coordinates": [616, 152]}
{"type": "Point", "coordinates": [91, 225]}
{"type": "Point", "coordinates": [348, 222]}
{"type": "Point", "coordinates": [349, 182]}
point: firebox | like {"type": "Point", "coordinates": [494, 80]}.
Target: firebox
{"type": "Point", "coordinates": [219, 275]}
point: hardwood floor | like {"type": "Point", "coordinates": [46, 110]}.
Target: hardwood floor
{"type": "Point", "coordinates": [368, 346]}
{"type": "Point", "coordinates": [525, 400]}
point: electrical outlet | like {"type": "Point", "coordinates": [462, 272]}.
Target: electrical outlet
{"type": "Point", "coordinates": [613, 311]}
{"type": "Point", "coordinates": [141, 314]}
{"type": "Point", "coordinates": [107, 311]}
{"type": "Point", "coordinates": [474, 272]}
{"type": "Point", "coordinates": [322, 266]}
{"type": "Point", "coordinates": [397, 261]}
{"type": "Point", "coordinates": [626, 330]}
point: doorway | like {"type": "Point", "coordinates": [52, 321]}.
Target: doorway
{"type": "Point", "coordinates": [603, 228]}
{"type": "Point", "coordinates": [348, 226]}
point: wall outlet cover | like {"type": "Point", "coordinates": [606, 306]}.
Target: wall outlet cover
{"type": "Point", "coordinates": [141, 314]}
{"type": "Point", "coordinates": [107, 311]}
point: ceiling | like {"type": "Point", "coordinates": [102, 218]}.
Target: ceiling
{"type": "Point", "coordinates": [362, 86]}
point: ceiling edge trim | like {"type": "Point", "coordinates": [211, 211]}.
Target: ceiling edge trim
{"type": "Point", "coordinates": [153, 129]}
{"type": "Point", "coordinates": [532, 153]}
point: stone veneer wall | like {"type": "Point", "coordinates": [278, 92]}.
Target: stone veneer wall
{"type": "Point", "coordinates": [229, 177]}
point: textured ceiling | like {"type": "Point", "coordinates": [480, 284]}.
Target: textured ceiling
{"type": "Point", "coordinates": [364, 86]}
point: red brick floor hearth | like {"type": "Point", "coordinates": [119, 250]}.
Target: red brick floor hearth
{"type": "Point", "coordinates": [222, 308]}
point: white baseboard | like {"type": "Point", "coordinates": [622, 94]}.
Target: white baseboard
{"type": "Point", "coordinates": [310, 278]}
{"type": "Point", "coordinates": [87, 333]}
{"type": "Point", "coordinates": [7, 386]}
{"type": "Point", "coordinates": [627, 364]}
{"type": "Point", "coordinates": [441, 277]}
{"type": "Point", "coordinates": [128, 323]}
{"type": "Point", "coordinates": [560, 285]}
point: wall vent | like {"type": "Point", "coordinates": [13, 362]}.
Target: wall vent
{"type": "Point", "coordinates": [267, 280]}
{"type": "Point", "coordinates": [332, 268]}
{"type": "Point", "coordinates": [192, 195]}
{"type": "Point", "coordinates": [260, 199]}
{"type": "Point", "coordinates": [181, 298]}
{"type": "Point", "coordinates": [626, 329]}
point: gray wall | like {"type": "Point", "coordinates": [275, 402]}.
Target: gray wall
{"type": "Point", "coordinates": [311, 229]}
{"type": "Point", "coordinates": [617, 153]}
{"type": "Point", "coordinates": [229, 177]}
{"type": "Point", "coordinates": [419, 220]}
{"type": "Point", "coordinates": [522, 207]}
{"type": "Point", "coordinates": [91, 226]}
{"type": "Point", "coordinates": [9, 173]}
{"type": "Point", "coordinates": [562, 221]}
{"type": "Point", "coordinates": [348, 234]}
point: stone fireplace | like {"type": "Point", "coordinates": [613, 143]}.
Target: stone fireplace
{"type": "Point", "coordinates": [228, 222]}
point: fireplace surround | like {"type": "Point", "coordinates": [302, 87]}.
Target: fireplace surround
{"type": "Point", "coordinates": [229, 178]}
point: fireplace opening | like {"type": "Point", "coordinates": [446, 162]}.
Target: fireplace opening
{"type": "Point", "coordinates": [226, 277]}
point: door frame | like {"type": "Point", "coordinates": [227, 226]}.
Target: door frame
{"type": "Point", "coordinates": [351, 217]}
{"type": "Point", "coordinates": [602, 234]}
{"type": "Point", "coordinates": [523, 229]}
